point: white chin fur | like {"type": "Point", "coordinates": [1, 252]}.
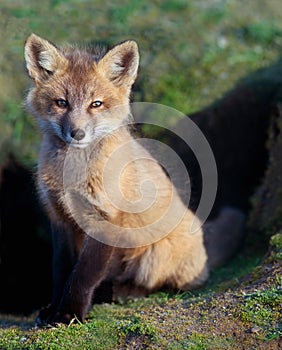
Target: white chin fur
{"type": "Point", "coordinates": [79, 145]}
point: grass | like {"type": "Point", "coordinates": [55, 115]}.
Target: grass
{"type": "Point", "coordinates": [192, 52]}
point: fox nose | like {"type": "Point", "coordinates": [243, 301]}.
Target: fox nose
{"type": "Point", "coordinates": [77, 134]}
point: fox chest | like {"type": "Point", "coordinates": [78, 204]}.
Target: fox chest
{"type": "Point", "coordinates": [66, 190]}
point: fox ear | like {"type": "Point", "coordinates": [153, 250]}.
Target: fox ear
{"type": "Point", "coordinates": [120, 64]}
{"type": "Point", "coordinates": [42, 58]}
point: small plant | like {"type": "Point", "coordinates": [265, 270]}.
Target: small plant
{"type": "Point", "coordinates": [136, 326]}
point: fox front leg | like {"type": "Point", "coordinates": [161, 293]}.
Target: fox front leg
{"type": "Point", "coordinates": [90, 270]}
{"type": "Point", "coordinates": [65, 253]}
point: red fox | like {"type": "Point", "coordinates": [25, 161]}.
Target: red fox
{"type": "Point", "coordinates": [94, 180]}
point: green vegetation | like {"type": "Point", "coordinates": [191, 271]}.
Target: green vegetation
{"type": "Point", "coordinates": [192, 52]}
{"type": "Point", "coordinates": [230, 309]}
{"type": "Point", "coordinates": [200, 342]}
{"type": "Point", "coordinates": [263, 309]}
{"type": "Point", "coordinates": [276, 245]}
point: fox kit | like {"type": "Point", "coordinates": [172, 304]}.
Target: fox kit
{"type": "Point", "coordinates": [115, 215]}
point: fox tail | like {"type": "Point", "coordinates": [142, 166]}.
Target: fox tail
{"type": "Point", "coordinates": [223, 236]}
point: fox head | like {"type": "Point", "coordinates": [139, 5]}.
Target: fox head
{"type": "Point", "coordinates": [78, 95]}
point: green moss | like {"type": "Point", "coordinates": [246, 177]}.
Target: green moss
{"type": "Point", "coordinates": [78, 336]}
{"type": "Point", "coordinates": [276, 245]}
{"type": "Point", "coordinates": [198, 341]}
{"type": "Point", "coordinates": [263, 309]}
{"type": "Point", "coordinates": [276, 241]}
{"type": "Point", "coordinates": [135, 326]}
{"type": "Point", "coordinates": [263, 32]}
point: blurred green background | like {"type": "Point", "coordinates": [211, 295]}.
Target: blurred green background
{"type": "Point", "coordinates": [192, 51]}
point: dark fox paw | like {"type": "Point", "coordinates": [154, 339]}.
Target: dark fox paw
{"type": "Point", "coordinates": [45, 316]}
{"type": "Point", "coordinates": [64, 318]}
{"type": "Point", "coordinates": [48, 317]}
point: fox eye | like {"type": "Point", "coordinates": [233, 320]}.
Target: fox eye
{"type": "Point", "coordinates": [61, 103]}
{"type": "Point", "coordinates": [96, 104]}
